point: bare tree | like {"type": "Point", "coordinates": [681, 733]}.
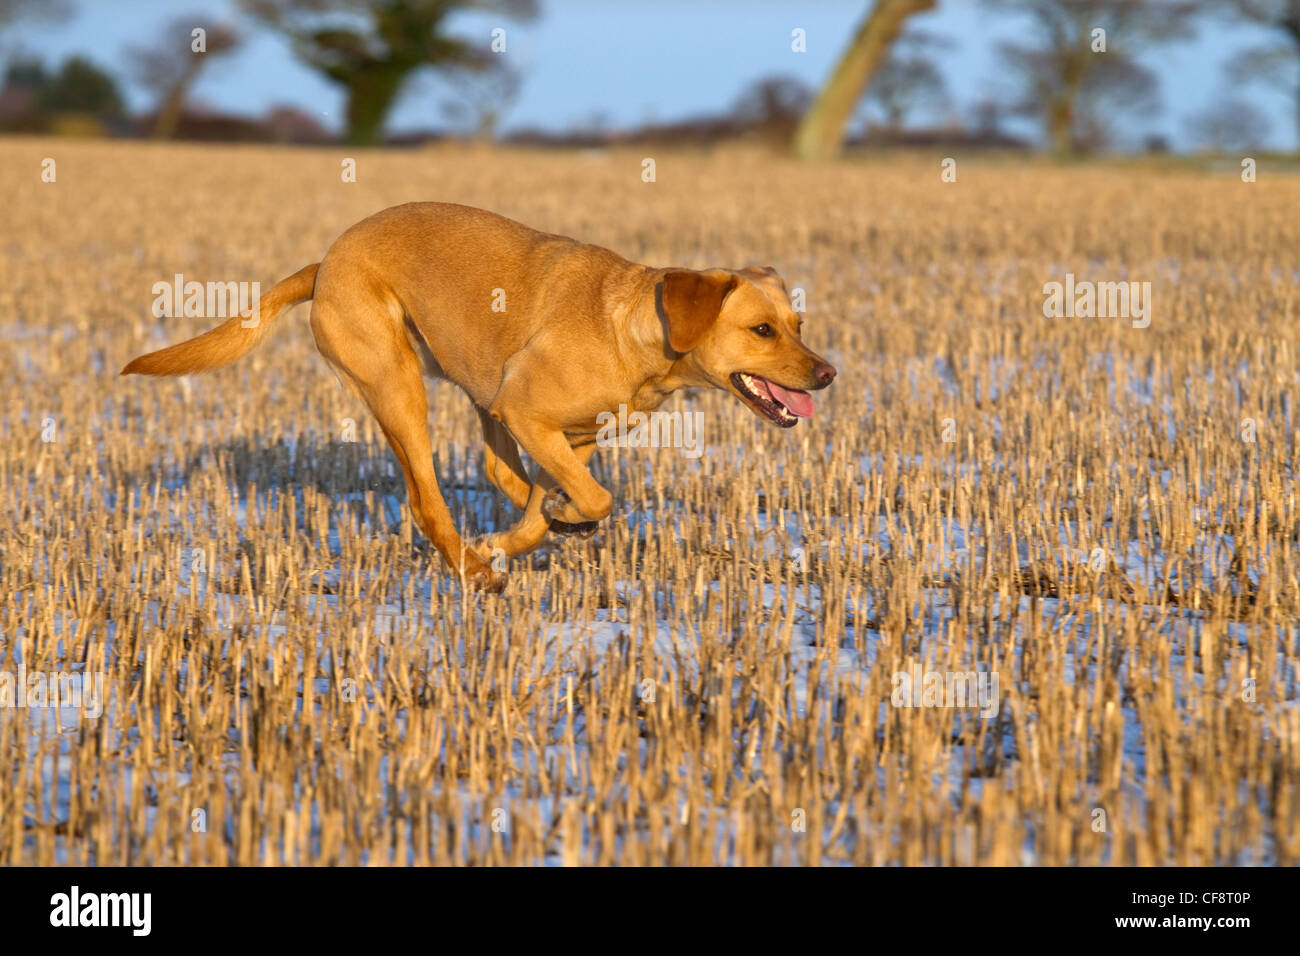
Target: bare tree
{"type": "Point", "coordinates": [772, 99]}
{"type": "Point", "coordinates": [988, 112]}
{"type": "Point", "coordinates": [1080, 68]}
{"type": "Point", "coordinates": [1276, 62]}
{"type": "Point", "coordinates": [482, 98]}
{"type": "Point", "coordinates": [373, 47]}
{"type": "Point", "coordinates": [1124, 88]}
{"type": "Point", "coordinates": [169, 67]}
{"type": "Point", "coordinates": [11, 10]}
{"type": "Point", "coordinates": [773, 106]}
{"type": "Point", "coordinates": [1228, 125]}
{"type": "Point", "coordinates": [822, 130]}
{"type": "Point", "coordinates": [908, 79]}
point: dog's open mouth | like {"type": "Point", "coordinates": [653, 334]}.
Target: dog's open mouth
{"type": "Point", "coordinates": [785, 406]}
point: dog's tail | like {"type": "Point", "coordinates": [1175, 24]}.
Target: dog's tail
{"type": "Point", "coordinates": [231, 340]}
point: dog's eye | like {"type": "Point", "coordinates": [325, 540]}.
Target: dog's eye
{"type": "Point", "coordinates": [764, 330]}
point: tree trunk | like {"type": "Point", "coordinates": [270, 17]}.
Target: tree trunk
{"type": "Point", "coordinates": [173, 104]}
{"type": "Point", "coordinates": [1060, 123]}
{"type": "Point", "coordinates": [895, 119]}
{"type": "Point", "coordinates": [1064, 109]}
{"type": "Point", "coordinates": [371, 93]}
{"type": "Point", "coordinates": [822, 129]}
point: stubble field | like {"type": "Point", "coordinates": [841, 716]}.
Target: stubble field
{"type": "Point", "coordinates": [1096, 523]}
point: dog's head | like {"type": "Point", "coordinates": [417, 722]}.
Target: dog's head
{"type": "Point", "coordinates": [739, 332]}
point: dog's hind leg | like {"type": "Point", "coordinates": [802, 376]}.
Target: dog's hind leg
{"type": "Point", "coordinates": [361, 336]}
{"type": "Point", "coordinates": [502, 463]}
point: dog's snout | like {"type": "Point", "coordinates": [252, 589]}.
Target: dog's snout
{"type": "Point", "coordinates": [825, 373]}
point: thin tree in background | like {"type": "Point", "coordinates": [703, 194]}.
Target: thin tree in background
{"type": "Point", "coordinates": [1069, 83]}
{"type": "Point", "coordinates": [1277, 62]}
{"type": "Point", "coordinates": [171, 65]}
{"type": "Point", "coordinates": [373, 47]}
{"type": "Point", "coordinates": [908, 79]}
{"type": "Point", "coordinates": [1228, 124]}
{"type": "Point", "coordinates": [822, 131]}
{"type": "Point", "coordinates": [481, 98]}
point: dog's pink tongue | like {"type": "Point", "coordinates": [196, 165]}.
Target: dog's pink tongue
{"type": "Point", "coordinates": [800, 403]}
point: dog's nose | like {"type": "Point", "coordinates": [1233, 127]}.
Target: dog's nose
{"type": "Point", "coordinates": [825, 373]}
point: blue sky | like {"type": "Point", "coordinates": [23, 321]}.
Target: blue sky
{"type": "Point", "coordinates": [630, 61]}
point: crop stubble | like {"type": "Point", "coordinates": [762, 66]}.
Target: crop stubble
{"type": "Point", "coordinates": [709, 678]}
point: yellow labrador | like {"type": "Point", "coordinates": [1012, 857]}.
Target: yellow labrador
{"type": "Point", "coordinates": [543, 332]}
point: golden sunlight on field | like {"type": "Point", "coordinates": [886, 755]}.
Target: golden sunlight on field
{"type": "Point", "coordinates": [1024, 590]}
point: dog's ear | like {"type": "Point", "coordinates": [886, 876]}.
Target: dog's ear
{"type": "Point", "coordinates": [764, 272]}
{"type": "Point", "coordinates": [691, 303]}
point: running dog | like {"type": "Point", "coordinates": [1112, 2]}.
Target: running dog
{"type": "Point", "coordinates": [544, 333]}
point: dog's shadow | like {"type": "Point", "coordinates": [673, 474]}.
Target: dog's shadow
{"type": "Point", "coordinates": [361, 481]}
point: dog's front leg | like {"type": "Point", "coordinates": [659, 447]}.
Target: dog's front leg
{"type": "Point", "coordinates": [584, 529]}
{"type": "Point", "coordinates": [529, 531]}
{"type": "Point", "coordinates": [579, 497]}
{"type": "Point", "coordinates": [501, 461]}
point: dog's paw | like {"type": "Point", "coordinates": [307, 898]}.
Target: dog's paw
{"type": "Point", "coordinates": [581, 529]}
{"type": "Point", "coordinates": [486, 580]}
{"type": "Point", "coordinates": [554, 500]}
{"type": "Point", "coordinates": [558, 506]}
